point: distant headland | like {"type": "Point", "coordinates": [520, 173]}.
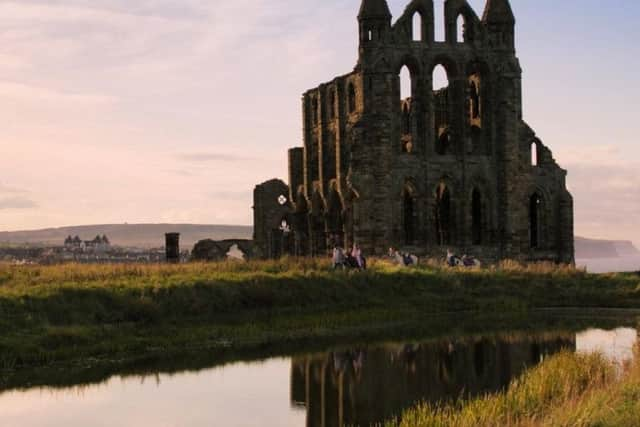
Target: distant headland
{"type": "Point", "coordinates": [152, 236]}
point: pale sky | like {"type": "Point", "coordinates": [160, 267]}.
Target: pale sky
{"type": "Point", "coordinates": [172, 110]}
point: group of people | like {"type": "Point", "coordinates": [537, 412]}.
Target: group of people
{"type": "Point", "coordinates": [353, 259]}
{"type": "Point", "coordinates": [454, 260]}
{"type": "Point", "coordinates": [403, 259]}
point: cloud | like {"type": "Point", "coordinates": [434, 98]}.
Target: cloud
{"type": "Point", "coordinates": [7, 189]}
{"type": "Point", "coordinates": [240, 195]}
{"type": "Point", "coordinates": [17, 202]}
{"type": "Point", "coordinates": [40, 95]}
{"type": "Point", "coordinates": [213, 157]}
{"type": "Point", "coordinates": [606, 189]}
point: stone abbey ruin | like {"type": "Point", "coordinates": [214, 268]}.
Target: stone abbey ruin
{"type": "Point", "coordinates": [454, 168]}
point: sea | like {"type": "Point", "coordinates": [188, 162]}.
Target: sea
{"type": "Point", "coordinates": [622, 264]}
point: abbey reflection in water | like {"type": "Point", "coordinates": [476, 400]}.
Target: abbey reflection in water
{"type": "Point", "coordinates": [366, 386]}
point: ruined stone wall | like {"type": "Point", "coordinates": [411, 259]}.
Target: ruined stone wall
{"type": "Point", "coordinates": [443, 169]}
{"type": "Point", "coordinates": [271, 210]}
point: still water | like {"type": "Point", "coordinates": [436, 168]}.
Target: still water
{"type": "Point", "coordinates": [353, 386]}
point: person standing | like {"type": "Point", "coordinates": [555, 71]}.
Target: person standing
{"type": "Point", "coordinates": [356, 253]}
{"type": "Point", "coordinates": [338, 257]}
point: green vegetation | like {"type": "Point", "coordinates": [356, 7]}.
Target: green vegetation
{"type": "Point", "coordinates": [566, 390]}
{"type": "Point", "coordinates": [77, 312]}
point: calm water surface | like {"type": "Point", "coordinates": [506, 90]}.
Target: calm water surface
{"type": "Point", "coordinates": [356, 386]}
{"type": "Point", "coordinates": [610, 265]}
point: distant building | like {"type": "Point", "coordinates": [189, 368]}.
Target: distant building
{"type": "Point", "coordinates": [98, 244]}
{"type": "Point", "coordinates": [72, 242]}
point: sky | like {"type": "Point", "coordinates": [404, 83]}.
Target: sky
{"type": "Point", "coordinates": [116, 111]}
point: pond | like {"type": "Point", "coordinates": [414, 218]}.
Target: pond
{"type": "Point", "coordinates": [360, 385]}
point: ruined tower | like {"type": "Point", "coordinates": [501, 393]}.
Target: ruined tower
{"type": "Point", "coordinates": [451, 167]}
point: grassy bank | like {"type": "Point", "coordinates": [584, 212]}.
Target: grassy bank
{"type": "Point", "coordinates": [566, 390]}
{"type": "Point", "coordinates": [60, 313]}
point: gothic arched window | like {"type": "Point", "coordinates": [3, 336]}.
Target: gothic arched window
{"type": "Point", "coordinates": [351, 95]}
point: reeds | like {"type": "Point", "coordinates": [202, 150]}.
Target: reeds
{"type": "Point", "coordinates": [566, 390]}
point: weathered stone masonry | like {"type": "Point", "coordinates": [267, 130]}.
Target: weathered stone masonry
{"type": "Point", "coordinates": [453, 168]}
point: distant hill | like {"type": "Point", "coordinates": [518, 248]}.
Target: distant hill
{"type": "Point", "coordinates": [130, 235]}
{"type": "Point", "coordinates": [591, 248]}
{"type": "Point", "coordinates": [152, 235]}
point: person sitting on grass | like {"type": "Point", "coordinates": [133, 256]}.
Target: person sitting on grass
{"type": "Point", "coordinates": [403, 259]}
{"type": "Point", "coordinates": [452, 259]}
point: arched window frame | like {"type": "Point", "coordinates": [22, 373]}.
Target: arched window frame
{"type": "Point", "coordinates": [410, 214]}
{"type": "Point", "coordinates": [315, 110]}
{"type": "Point", "coordinates": [439, 22]}
{"type": "Point", "coordinates": [536, 217]}
{"type": "Point", "coordinates": [335, 217]}
{"type": "Point", "coordinates": [534, 152]}
{"type": "Point", "coordinates": [351, 98]}
{"type": "Point", "coordinates": [444, 214]}
{"type": "Point", "coordinates": [478, 217]}
{"type": "Point", "coordinates": [332, 104]}
{"type": "Point", "coordinates": [442, 116]}
{"type": "Point", "coordinates": [417, 27]}
{"type": "Point", "coordinates": [475, 113]}
{"type": "Point", "coordinates": [409, 105]}
{"type": "Point", "coordinates": [464, 25]}
{"type": "Point", "coordinates": [461, 25]}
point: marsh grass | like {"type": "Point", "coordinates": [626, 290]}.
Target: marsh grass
{"type": "Point", "coordinates": [55, 313]}
{"type": "Point", "coordinates": [566, 390]}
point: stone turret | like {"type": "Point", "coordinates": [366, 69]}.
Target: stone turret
{"type": "Point", "coordinates": [374, 9]}
{"type": "Point", "coordinates": [375, 21]}
{"type": "Point", "coordinates": [500, 21]}
{"type": "Point", "coordinates": [498, 11]}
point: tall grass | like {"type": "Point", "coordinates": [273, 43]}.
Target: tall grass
{"type": "Point", "coordinates": [55, 312]}
{"type": "Point", "coordinates": [566, 390]}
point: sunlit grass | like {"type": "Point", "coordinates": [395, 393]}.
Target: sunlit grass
{"type": "Point", "coordinates": [566, 390]}
{"type": "Point", "coordinates": [56, 312]}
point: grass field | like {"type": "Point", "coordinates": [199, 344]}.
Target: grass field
{"type": "Point", "coordinates": [70, 312]}
{"type": "Point", "coordinates": [573, 390]}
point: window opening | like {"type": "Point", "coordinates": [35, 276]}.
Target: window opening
{"type": "Point", "coordinates": [405, 83]}
{"type": "Point", "coordinates": [535, 206]}
{"type": "Point", "coordinates": [440, 78]}
{"type": "Point", "coordinates": [461, 29]}
{"type": "Point", "coordinates": [332, 105]}
{"type": "Point", "coordinates": [352, 98]}
{"type": "Point", "coordinates": [443, 215]}
{"type": "Point", "coordinates": [315, 110]}
{"type": "Point", "coordinates": [409, 218]}
{"type": "Point", "coordinates": [439, 20]}
{"type": "Point", "coordinates": [417, 27]}
{"type": "Point", "coordinates": [476, 209]}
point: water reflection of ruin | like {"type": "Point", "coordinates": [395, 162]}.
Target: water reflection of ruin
{"type": "Point", "coordinates": [365, 386]}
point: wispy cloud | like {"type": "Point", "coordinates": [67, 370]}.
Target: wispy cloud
{"type": "Point", "coordinates": [205, 157]}
{"type": "Point", "coordinates": [7, 189]}
{"type": "Point", "coordinates": [606, 187]}
{"type": "Point", "coordinates": [17, 202]}
{"type": "Point", "coordinates": [39, 95]}
{"type": "Point", "coordinates": [230, 195]}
